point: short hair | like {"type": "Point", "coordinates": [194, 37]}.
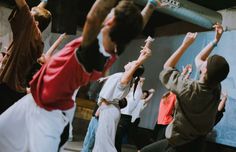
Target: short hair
{"type": "Point", "coordinates": [147, 92]}
{"type": "Point", "coordinates": [43, 16]}
{"type": "Point", "coordinates": [128, 24]}
{"type": "Point", "coordinates": [217, 69]}
{"type": "Point", "coordinates": [122, 103]}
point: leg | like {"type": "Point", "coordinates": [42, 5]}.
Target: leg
{"type": "Point", "coordinates": [122, 129]}
{"type": "Point", "coordinates": [105, 135]}
{"type": "Point", "coordinates": [64, 136]}
{"type": "Point", "coordinates": [44, 129]}
{"type": "Point", "coordinates": [13, 126]}
{"type": "Point", "coordinates": [89, 139]}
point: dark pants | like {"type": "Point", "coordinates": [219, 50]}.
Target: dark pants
{"type": "Point", "coordinates": [159, 132]}
{"type": "Point", "coordinates": [64, 136]}
{"type": "Point", "coordinates": [196, 145]}
{"type": "Point", "coordinates": [122, 129]}
{"type": "Point", "coordinates": [8, 97]}
{"type": "Point", "coordinates": [135, 134]}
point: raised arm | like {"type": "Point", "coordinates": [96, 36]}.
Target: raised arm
{"type": "Point", "coordinates": [20, 3]}
{"type": "Point", "coordinates": [144, 54]}
{"type": "Point", "coordinates": [151, 91]}
{"type": "Point", "coordinates": [149, 8]}
{"type": "Point", "coordinates": [174, 58]}
{"type": "Point", "coordinates": [202, 56]}
{"type": "Point", "coordinates": [55, 45]}
{"type": "Point", "coordinates": [94, 20]}
{"type": "Point", "coordinates": [223, 101]}
{"type": "Point", "coordinates": [45, 57]}
{"type": "Point", "coordinates": [43, 3]}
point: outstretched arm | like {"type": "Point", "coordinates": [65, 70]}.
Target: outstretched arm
{"type": "Point", "coordinates": [202, 56]}
{"type": "Point", "coordinates": [43, 3]}
{"type": "Point", "coordinates": [144, 54]}
{"type": "Point", "coordinates": [94, 20]}
{"type": "Point", "coordinates": [149, 8]}
{"type": "Point", "coordinates": [223, 101]}
{"type": "Point", "coordinates": [151, 91]}
{"type": "Point", "coordinates": [20, 3]}
{"type": "Point", "coordinates": [45, 57]}
{"type": "Point", "coordinates": [174, 58]}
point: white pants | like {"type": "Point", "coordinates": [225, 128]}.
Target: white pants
{"type": "Point", "coordinates": [106, 132]}
{"type": "Point", "coordinates": [25, 127]}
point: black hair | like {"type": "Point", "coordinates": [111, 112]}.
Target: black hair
{"type": "Point", "coordinates": [128, 24]}
{"type": "Point", "coordinates": [122, 103]}
{"type": "Point", "coordinates": [137, 74]}
{"type": "Point", "coordinates": [147, 92]}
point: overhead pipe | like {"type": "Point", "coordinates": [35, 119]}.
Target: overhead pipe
{"type": "Point", "coordinates": [188, 11]}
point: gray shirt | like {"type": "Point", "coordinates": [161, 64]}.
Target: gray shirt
{"type": "Point", "coordinates": [195, 110]}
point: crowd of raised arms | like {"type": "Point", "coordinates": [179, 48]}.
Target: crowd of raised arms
{"type": "Point", "coordinates": [36, 110]}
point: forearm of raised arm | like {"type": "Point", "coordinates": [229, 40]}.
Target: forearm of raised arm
{"type": "Point", "coordinates": [95, 18]}
{"type": "Point", "coordinates": [43, 4]}
{"type": "Point", "coordinates": [205, 52]}
{"type": "Point", "coordinates": [20, 3]}
{"type": "Point", "coordinates": [174, 58]}
{"type": "Point", "coordinates": [55, 45]}
{"type": "Point", "coordinates": [147, 13]}
{"type": "Point", "coordinates": [127, 76]}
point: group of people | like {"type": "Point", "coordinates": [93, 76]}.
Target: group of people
{"type": "Point", "coordinates": [34, 119]}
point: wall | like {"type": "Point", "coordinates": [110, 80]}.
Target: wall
{"type": "Point", "coordinates": [225, 131]}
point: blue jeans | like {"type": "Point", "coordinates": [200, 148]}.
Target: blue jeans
{"type": "Point", "coordinates": [89, 139]}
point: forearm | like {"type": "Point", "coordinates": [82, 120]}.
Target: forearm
{"type": "Point", "coordinates": [203, 55]}
{"type": "Point", "coordinates": [55, 45]}
{"type": "Point", "coordinates": [174, 58]}
{"type": "Point", "coordinates": [148, 98]}
{"type": "Point", "coordinates": [147, 12]}
{"type": "Point", "coordinates": [20, 3]}
{"type": "Point", "coordinates": [42, 4]}
{"type": "Point", "coordinates": [127, 76]}
{"type": "Point", "coordinates": [94, 20]}
{"type": "Point", "coordinates": [222, 104]}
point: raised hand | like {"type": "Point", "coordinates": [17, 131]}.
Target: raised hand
{"type": "Point", "coordinates": [218, 32]}
{"type": "Point", "coordinates": [189, 38]}
{"type": "Point", "coordinates": [146, 51]}
{"type": "Point", "coordinates": [151, 90]}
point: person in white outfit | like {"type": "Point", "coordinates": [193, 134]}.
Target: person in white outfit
{"type": "Point", "coordinates": [116, 88]}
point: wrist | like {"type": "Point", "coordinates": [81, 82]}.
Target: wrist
{"type": "Point", "coordinates": [153, 3]}
{"type": "Point", "coordinates": [214, 43]}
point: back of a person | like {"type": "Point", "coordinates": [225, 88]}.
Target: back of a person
{"type": "Point", "coordinates": [166, 109]}
{"type": "Point", "coordinates": [196, 109]}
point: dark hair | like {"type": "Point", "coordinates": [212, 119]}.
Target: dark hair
{"type": "Point", "coordinates": [122, 103]}
{"type": "Point", "coordinates": [128, 24]}
{"type": "Point", "coordinates": [43, 16]}
{"type": "Point", "coordinates": [217, 69]}
{"type": "Point", "coordinates": [147, 92]}
{"type": "Point", "coordinates": [137, 74]}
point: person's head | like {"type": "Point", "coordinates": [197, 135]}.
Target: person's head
{"type": "Point", "coordinates": [215, 69]}
{"type": "Point", "coordinates": [124, 23]}
{"type": "Point", "coordinates": [145, 94]}
{"type": "Point", "coordinates": [42, 17]}
{"type": "Point", "coordinates": [122, 103]}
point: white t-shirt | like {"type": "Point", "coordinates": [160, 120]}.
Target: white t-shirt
{"type": "Point", "coordinates": [137, 111]}
{"type": "Point", "coordinates": [113, 91]}
{"type": "Point", "coordinates": [132, 100]}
